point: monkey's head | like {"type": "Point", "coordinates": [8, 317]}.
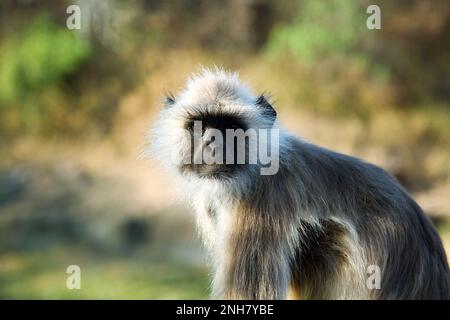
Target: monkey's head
{"type": "Point", "coordinates": [212, 129]}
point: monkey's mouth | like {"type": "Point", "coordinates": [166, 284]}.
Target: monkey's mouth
{"type": "Point", "coordinates": [211, 171]}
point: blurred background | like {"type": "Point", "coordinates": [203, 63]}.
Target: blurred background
{"type": "Point", "coordinates": [75, 106]}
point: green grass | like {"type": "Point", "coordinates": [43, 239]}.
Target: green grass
{"type": "Point", "coordinates": [33, 275]}
{"type": "Point", "coordinates": [42, 275]}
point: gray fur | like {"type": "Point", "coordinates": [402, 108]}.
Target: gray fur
{"type": "Point", "coordinates": [314, 227]}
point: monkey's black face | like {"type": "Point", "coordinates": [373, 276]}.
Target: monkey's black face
{"type": "Point", "coordinates": [219, 140]}
{"type": "Point", "coordinates": [215, 149]}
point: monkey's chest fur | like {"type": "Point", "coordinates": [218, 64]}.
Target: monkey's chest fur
{"type": "Point", "coordinates": [319, 266]}
{"type": "Point", "coordinates": [319, 261]}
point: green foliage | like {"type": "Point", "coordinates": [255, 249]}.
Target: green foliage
{"type": "Point", "coordinates": [329, 44]}
{"type": "Point", "coordinates": [321, 28]}
{"type": "Point", "coordinates": [37, 57]}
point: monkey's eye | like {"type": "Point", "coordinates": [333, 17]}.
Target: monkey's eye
{"type": "Point", "coordinates": [190, 126]}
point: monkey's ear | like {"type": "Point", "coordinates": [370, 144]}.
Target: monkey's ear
{"type": "Point", "coordinates": [169, 100]}
{"type": "Point", "coordinates": [266, 108]}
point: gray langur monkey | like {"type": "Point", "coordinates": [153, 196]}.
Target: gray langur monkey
{"type": "Point", "coordinates": [310, 231]}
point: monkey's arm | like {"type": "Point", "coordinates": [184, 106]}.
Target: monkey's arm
{"type": "Point", "coordinates": [254, 263]}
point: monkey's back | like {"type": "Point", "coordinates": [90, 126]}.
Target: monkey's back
{"type": "Point", "coordinates": [392, 231]}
